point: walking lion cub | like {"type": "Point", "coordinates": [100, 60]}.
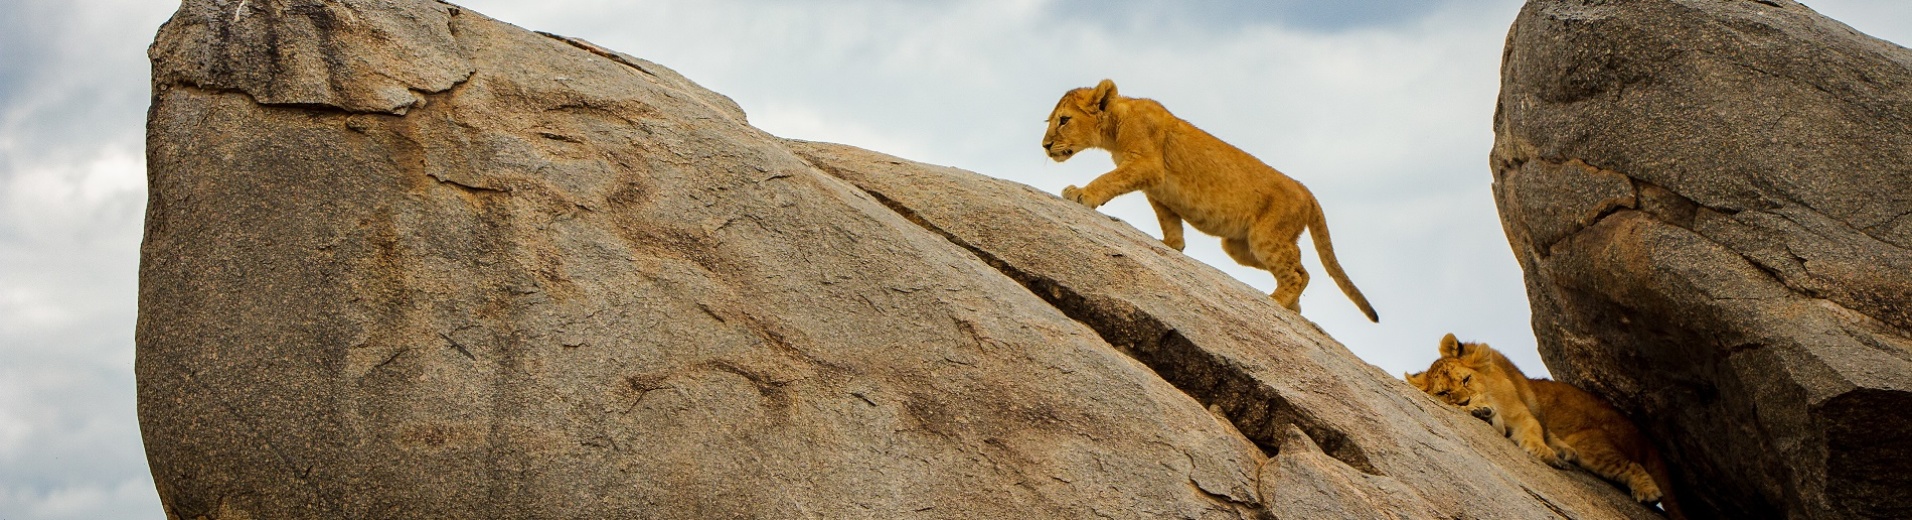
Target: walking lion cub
{"type": "Point", "coordinates": [1551, 420]}
{"type": "Point", "coordinates": [1189, 175]}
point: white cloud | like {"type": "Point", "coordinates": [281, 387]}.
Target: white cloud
{"type": "Point", "coordinates": [130, 498]}
{"type": "Point", "coordinates": [23, 308]}
{"type": "Point", "coordinates": [15, 426]}
{"type": "Point", "coordinates": [63, 199]}
{"type": "Point", "coordinates": [1890, 20]}
{"type": "Point", "coordinates": [799, 120]}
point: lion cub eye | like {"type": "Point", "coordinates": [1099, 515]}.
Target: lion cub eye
{"type": "Point", "coordinates": [1467, 379]}
{"type": "Point", "coordinates": [1062, 120]}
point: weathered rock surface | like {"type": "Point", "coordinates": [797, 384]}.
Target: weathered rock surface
{"type": "Point", "coordinates": [405, 261]}
{"type": "Point", "coordinates": [1270, 372]}
{"type": "Point", "coordinates": [1712, 201]}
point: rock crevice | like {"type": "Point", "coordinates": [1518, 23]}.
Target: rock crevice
{"type": "Point", "coordinates": [1209, 380]}
{"type": "Point", "coordinates": [1183, 322]}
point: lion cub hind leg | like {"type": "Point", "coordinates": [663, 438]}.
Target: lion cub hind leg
{"type": "Point", "coordinates": [1245, 254]}
{"type": "Point", "coordinates": [1237, 248]}
{"type": "Point", "coordinates": [1283, 259]}
{"type": "Point", "coordinates": [1597, 454]}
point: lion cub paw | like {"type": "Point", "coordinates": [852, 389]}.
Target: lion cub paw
{"type": "Point", "coordinates": [1566, 451]}
{"type": "Point", "coordinates": [1075, 195]}
{"type": "Point", "coordinates": [1545, 454]}
{"type": "Point", "coordinates": [1485, 413]}
{"type": "Point", "coordinates": [1647, 492]}
{"type": "Point", "coordinates": [1174, 243]}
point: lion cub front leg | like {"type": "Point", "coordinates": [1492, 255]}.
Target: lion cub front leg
{"type": "Point", "coordinates": [1567, 451]}
{"type": "Point", "coordinates": [1171, 225]}
{"type": "Point", "coordinates": [1123, 179]}
{"type": "Point", "coordinates": [1526, 432]}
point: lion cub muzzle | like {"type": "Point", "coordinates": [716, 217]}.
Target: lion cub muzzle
{"type": "Point", "coordinates": [1057, 155]}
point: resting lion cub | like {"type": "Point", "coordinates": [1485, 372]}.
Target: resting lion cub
{"type": "Point", "coordinates": [1190, 175]}
{"type": "Point", "coordinates": [1484, 383]}
{"type": "Point", "coordinates": [1579, 426]}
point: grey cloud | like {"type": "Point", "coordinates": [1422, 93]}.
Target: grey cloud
{"type": "Point", "coordinates": [24, 45]}
{"type": "Point", "coordinates": [73, 74]}
{"type": "Point", "coordinates": [69, 379]}
{"type": "Point", "coordinates": [73, 91]}
{"type": "Point", "coordinates": [1231, 14]}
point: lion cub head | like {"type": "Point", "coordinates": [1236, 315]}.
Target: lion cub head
{"type": "Point", "coordinates": [1076, 123]}
{"type": "Point", "coordinates": [1456, 377]}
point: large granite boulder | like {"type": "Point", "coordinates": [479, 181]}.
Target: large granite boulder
{"type": "Point", "coordinates": [1348, 441]}
{"type": "Point", "coordinates": [1712, 201]}
{"type": "Point", "coordinates": [405, 261]}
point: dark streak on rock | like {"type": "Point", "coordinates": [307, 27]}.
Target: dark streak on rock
{"type": "Point", "coordinates": [461, 348]}
{"type": "Point", "coordinates": [1258, 411]}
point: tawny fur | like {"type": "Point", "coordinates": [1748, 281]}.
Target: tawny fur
{"type": "Point", "coordinates": [1478, 379]}
{"type": "Point", "coordinates": [1604, 442]}
{"type": "Point", "coordinates": [1580, 427]}
{"type": "Point", "coordinates": [1189, 175]}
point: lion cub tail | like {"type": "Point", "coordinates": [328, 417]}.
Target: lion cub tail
{"type": "Point", "coordinates": [1318, 231]}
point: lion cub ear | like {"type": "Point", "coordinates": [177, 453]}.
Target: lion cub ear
{"type": "Point", "coordinates": [1419, 380]}
{"type": "Point", "coordinates": [1104, 93]}
{"type": "Point", "coordinates": [1452, 346]}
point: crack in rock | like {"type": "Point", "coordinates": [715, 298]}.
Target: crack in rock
{"type": "Point", "coordinates": [1257, 411]}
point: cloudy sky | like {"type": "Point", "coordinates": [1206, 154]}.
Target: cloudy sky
{"type": "Point", "coordinates": [1382, 107]}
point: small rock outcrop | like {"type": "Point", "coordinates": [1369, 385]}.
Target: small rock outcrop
{"type": "Point", "coordinates": [405, 261]}
{"type": "Point", "coordinates": [1712, 201]}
